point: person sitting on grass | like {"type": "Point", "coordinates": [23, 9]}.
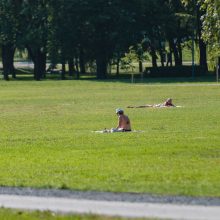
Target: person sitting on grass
{"type": "Point", "coordinates": [167, 103]}
{"type": "Point", "coordinates": [124, 123]}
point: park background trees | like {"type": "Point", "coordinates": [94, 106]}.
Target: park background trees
{"type": "Point", "coordinates": [211, 26]}
{"type": "Point", "coordinates": [100, 33]}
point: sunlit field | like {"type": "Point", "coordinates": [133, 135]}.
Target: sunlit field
{"type": "Point", "coordinates": [47, 138]}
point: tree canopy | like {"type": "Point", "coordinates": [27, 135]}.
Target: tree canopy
{"type": "Point", "coordinates": [211, 25]}
{"type": "Point", "coordinates": [100, 32]}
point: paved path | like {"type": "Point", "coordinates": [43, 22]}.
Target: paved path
{"type": "Point", "coordinates": [113, 208]}
{"type": "Point", "coordinates": [113, 204]}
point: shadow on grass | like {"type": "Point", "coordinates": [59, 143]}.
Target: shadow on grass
{"type": "Point", "coordinates": [138, 80]}
{"type": "Point", "coordinates": [27, 75]}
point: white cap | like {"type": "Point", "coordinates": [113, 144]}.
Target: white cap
{"type": "Point", "coordinates": [119, 110]}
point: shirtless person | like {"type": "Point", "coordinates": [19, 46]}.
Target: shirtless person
{"type": "Point", "coordinates": [123, 121]}
{"type": "Point", "coordinates": [167, 103]}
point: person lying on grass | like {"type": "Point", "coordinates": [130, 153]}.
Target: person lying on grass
{"type": "Point", "coordinates": [167, 103]}
{"type": "Point", "coordinates": [124, 123]}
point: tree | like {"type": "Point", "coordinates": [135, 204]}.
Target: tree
{"type": "Point", "coordinates": [108, 23]}
{"type": "Point", "coordinates": [9, 31]}
{"type": "Point", "coordinates": [34, 22]}
{"type": "Point", "coordinates": [211, 26]}
{"type": "Point", "coordinates": [165, 21]}
{"type": "Point", "coordinates": [178, 28]}
{"type": "Point", "coordinates": [195, 8]}
{"type": "Point", "coordinates": [100, 32]}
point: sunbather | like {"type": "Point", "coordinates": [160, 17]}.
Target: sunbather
{"type": "Point", "coordinates": [124, 123]}
{"type": "Point", "coordinates": [167, 103]}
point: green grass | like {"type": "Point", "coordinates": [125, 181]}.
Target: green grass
{"type": "Point", "coordinates": [7, 214]}
{"type": "Point", "coordinates": [46, 137]}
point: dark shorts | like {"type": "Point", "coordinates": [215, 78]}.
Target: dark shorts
{"type": "Point", "coordinates": [124, 130]}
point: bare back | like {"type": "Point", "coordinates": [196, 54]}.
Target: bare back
{"type": "Point", "coordinates": [124, 122]}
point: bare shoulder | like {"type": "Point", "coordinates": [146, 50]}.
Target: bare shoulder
{"type": "Point", "coordinates": [127, 118]}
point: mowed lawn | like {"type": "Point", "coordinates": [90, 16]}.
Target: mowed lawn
{"type": "Point", "coordinates": [7, 214]}
{"type": "Point", "coordinates": [46, 138]}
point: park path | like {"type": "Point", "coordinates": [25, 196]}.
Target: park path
{"type": "Point", "coordinates": [111, 208]}
{"type": "Point", "coordinates": [111, 204]}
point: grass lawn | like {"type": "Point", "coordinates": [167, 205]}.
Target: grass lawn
{"type": "Point", "coordinates": [46, 137]}
{"type": "Point", "coordinates": [7, 214]}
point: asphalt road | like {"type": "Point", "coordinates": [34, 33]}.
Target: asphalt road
{"type": "Point", "coordinates": [111, 204]}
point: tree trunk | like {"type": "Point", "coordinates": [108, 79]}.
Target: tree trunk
{"type": "Point", "coordinates": [101, 65]}
{"type": "Point", "coordinates": [175, 52]}
{"type": "Point", "coordinates": [8, 61]}
{"type": "Point", "coordinates": [39, 59]}
{"type": "Point", "coordinates": [179, 48]}
{"type": "Point", "coordinates": [202, 45]}
{"type": "Point", "coordinates": [154, 56]}
{"type": "Point", "coordinates": [71, 68]}
{"type": "Point", "coordinates": [118, 64]}
{"type": "Point", "coordinates": [162, 54]}
{"type": "Point", "coordinates": [162, 58]}
{"type": "Point", "coordinates": [203, 55]}
{"type": "Point", "coordinates": [169, 56]}
{"type": "Point", "coordinates": [118, 67]}
{"type": "Point", "coordinates": [169, 59]}
{"type": "Point", "coordinates": [77, 67]}
{"type": "Point", "coordinates": [63, 72]}
{"type": "Point", "coordinates": [39, 65]}
{"type": "Point", "coordinates": [140, 66]}
{"type": "Point", "coordinates": [82, 61]}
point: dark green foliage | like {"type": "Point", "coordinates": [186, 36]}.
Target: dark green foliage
{"type": "Point", "coordinates": [96, 33]}
{"type": "Point", "coordinates": [174, 71]}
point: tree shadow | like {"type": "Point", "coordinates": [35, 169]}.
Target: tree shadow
{"type": "Point", "coordinates": [127, 78]}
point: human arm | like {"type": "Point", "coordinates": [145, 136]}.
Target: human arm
{"type": "Point", "coordinates": [119, 122]}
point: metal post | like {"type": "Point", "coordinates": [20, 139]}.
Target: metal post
{"type": "Point", "coordinates": [132, 78]}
